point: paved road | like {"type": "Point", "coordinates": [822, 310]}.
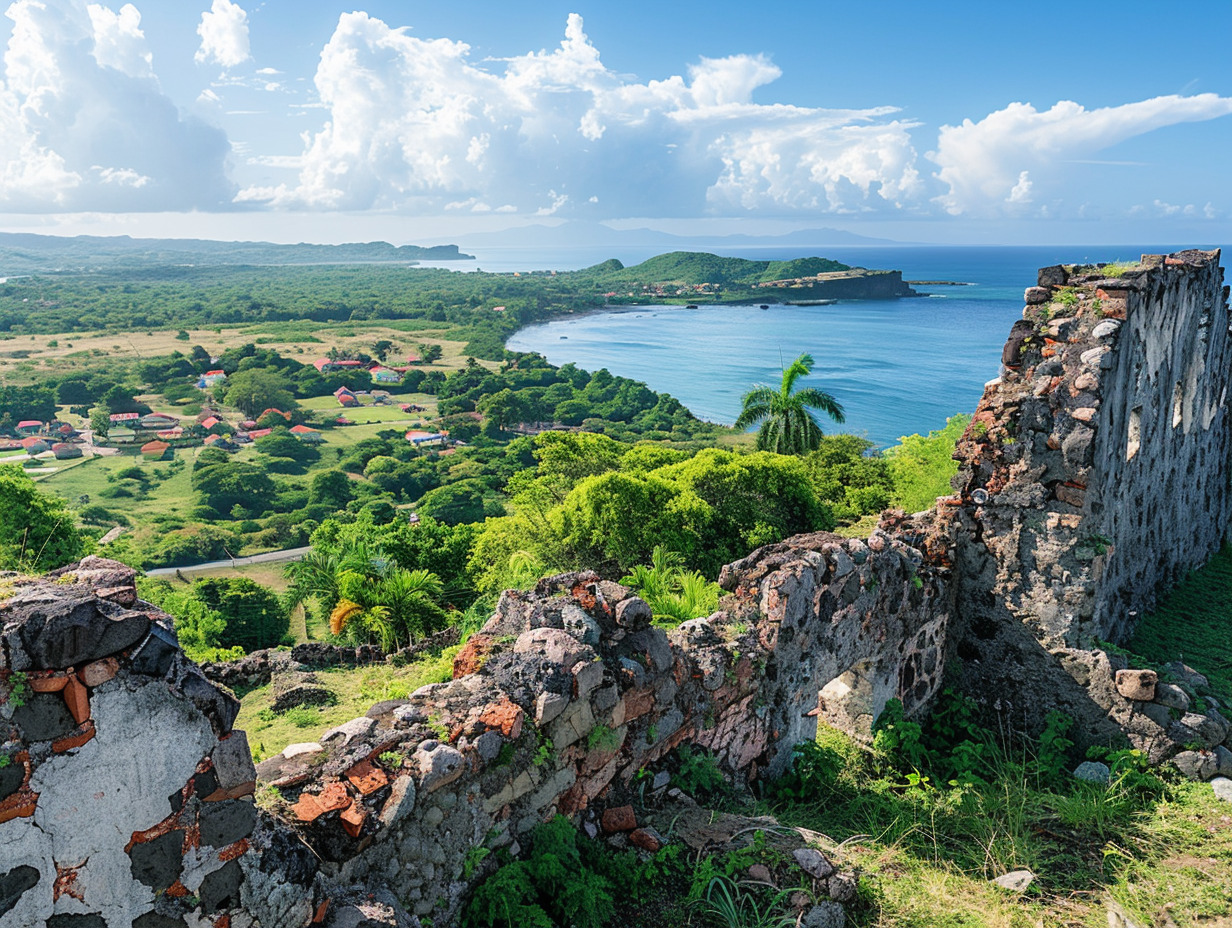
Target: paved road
{"type": "Point", "coordinates": [270, 557]}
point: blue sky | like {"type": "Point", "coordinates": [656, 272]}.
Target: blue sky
{"type": "Point", "coordinates": [951, 122]}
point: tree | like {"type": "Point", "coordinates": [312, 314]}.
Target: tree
{"type": "Point", "coordinates": [254, 391]}
{"type": "Point", "coordinates": [37, 531]}
{"type": "Point", "coordinates": [429, 352]}
{"type": "Point", "coordinates": [255, 617]}
{"type": "Point", "coordinates": [100, 422]}
{"type": "Point", "coordinates": [788, 424]}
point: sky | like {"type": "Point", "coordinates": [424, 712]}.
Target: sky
{"type": "Point", "coordinates": [306, 120]}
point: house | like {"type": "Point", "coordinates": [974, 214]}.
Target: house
{"type": "Point", "coordinates": [156, 451]}
{"type": "Point", "coordinates": [343, 391]}
{"type": "Point", "coordinates": [306, 435]}
{"type": "Point", "coordinates": [221, 443]}
{"type": "Point", "coordinates": [349, 400]}
{"type": "Point", "coordinates": [212, 424]}
{"type": "Point", "coordinates": [258, 433]}
{"type": "Point", "coordinates": [64, 450]}
{"type": "Point", "coordinates": [157, 420]}
{"type": "Point", "coordinates": [209, 378]}
{"type": "Point", "coordinates": [174, 434]}
{"type": "Point", "coordinates": [417, 437]}
{"type": "Point", "coordinates": [241, 438]}
{"type": "Point", "coordinates": [121, 436]}
{"type": "Point", "coordinates": [30, 426]}
{"type": "Point", "coordinates": [117, 417]}
{"type": "Point", "coordinates": [248, 424]}
{"type": "Point", "coordinates": [343, 420]}
{"type": "Point", "coordinates": [206, 413]}
{"type": "Point", "coordinates": [276, 412]}
{"type": "Point", "coordinates": [414, 359]}
{"type": "Point", "coordinates": [326, 366]}
{"type": "Point", "coordinates": [33, 446]}
{"type": "Point", "coordinates": [8, 444]}
{"type": "Point", "coordinates": [498, 309]}
{"type": "Point", "coordinates": [385, 375]}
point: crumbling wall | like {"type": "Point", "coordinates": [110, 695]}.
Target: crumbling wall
{"type": "Point", "coordinates": [125, 795]}
{"type": "Point", "coordinates": [569, 691]}
{"type": "Point", "coordinates": [1093, 475]}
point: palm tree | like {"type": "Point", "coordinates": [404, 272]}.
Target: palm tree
{"type": "Point", "coordinates": [788, 424]}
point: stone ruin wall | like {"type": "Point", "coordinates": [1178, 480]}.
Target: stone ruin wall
{"type": "Point", "coordinates": [1094, 475]}
{"type": "Point", "coordinates": [127, 796]}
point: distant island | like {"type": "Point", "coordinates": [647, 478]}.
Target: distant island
{"type": "Point", "coordinates": [27, 253]}
{"type": "Point", "coordinates": [695, 277]}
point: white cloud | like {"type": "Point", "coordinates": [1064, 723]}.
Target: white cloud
{"type": "Point", "coordinates": [983, 163]}
{"type": "Point", "coordinates": [224, 34]}
{"type": "Point", "coordinates": [119, 42]}
{"type": "Point", "coordinates": [84, 126]}
{"type": "Point", "coordinates": [415, 123]}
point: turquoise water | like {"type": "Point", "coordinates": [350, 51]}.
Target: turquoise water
{"type": "Point", "coordinates": [897, 366]}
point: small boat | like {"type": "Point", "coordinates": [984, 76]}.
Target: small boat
{"type": "Point", "coordinates": [691, 306]}
{"type": "Point", "coordinates": [563, 337]}
{"type": "Point", "coordinates": [765, 306]}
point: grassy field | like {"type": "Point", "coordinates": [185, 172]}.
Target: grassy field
{"type": "Point", "coordinates": [26, 358]}
{"type": "Point", "coordinates": [166, 491]}
{"type": "Point", "coordinates": [356, 688]}
{"type": "Point", "coordinates": [1192, 624]}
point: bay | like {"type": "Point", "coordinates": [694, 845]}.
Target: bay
{"type": "Point", "coordinates": [898, 367]}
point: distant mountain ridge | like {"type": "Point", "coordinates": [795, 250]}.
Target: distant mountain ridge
{"type": "Point", "coordinates": [587, 234]}
{"type": "Point", "coordinates": [29, 253]}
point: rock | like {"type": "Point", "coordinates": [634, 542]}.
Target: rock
{"type": "Point", "coordinates": [221, 889]}
{"type": "Point", "coordinates": [1054, 276]}
{"type": "Point", "coordinates": [98, 672]}
{"type": "Point", "coordinates": [824, 915]}
{"type": "Point", "coordinates": [620, 818]}
{"type": "Point", "coordinates": [1093, 772]}
{"type": "Point", "coordinates": [1202, 729]}
{"type": "Point", "coordinates": [72, 628]}
{"type": "Point", "coordinates": [633, 613]}
{"type": "Point", "coordinates": [1033, 296]}
{"type": "Point", "coordinates": [650, 840]}
{"type": "Point", "coordinates": [233, 761]}
{"type": "Point", "coordinates": [160, 862]}
{"type": "Point", "coordinates": [156, 653]}
{"type": "Point", "coordinates": [581, 626]}
{"type": "Point", "coordinates": [1137, 684]}
{"type": "Point", "coordinates": [439, 765]}
{"type": "Point", "coordinates": [1223, 761]}
{"type": "Point", "coordinates": [1186, 674]}
{"type": "Point", "coordinates": [302, 749]}
{"type": "Point", "coordinates": [554, 645]}
{"type": "Point", "coordinates": [226, 822]}
{"type": "Point", "coordinates": [1223, 788]}
{"type": "Point", "coordinates": [14, 883]}
{"type": "Point", "coordinates": [1015, 881]}
{"type": "Point", "coordinates": [1197, 765]}
{"type": "Point", "coordinates": [342, 735]}
{"type": "Point", "coordinates": [1105, 328]}
{"type": "Point", "coordinates": [661, 781]}
{"type": "Point", "coordinates": [759, 872]}
{"type": "Point", "coordinates": [548, 706]}
{"type": "Point", "coordinates": [44, 717]}
{"type": "Point", "coordinates": [1172, 696]}
{"type": "Point", "coordinates": [812, 862]}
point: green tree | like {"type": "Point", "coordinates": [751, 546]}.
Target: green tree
{"type": "Point", "coordinates": [254, 391]}
{"type": "Point", "coordinates": [100, 422]}
{"type": "Point", "coordinates": [255, 617]}
{"type": "Point", "coordinates": [922, 466]}
{"type": "Point", "coordinates": [788, 423]}
{"type": "Point", "coordinates": [37, 531]}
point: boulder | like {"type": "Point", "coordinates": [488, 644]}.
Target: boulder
{"type": "Point", "coordinates": [1137, 684]}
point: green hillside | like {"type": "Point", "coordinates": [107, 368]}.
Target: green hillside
{"type": "Point", "coordinates": [690, 267]}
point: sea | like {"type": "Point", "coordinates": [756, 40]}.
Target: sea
{"type": "Point", "coordinates": [897, 367]}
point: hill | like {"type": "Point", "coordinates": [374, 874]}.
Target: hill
{"type": "Point", "coordinates": [690, 267]}
{"type": "Point", "coordinates": [26, 253]}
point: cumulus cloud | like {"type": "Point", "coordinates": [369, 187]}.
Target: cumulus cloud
{"type": "Point", "coordinates": [992, 165]}
{"type": "Point", "coordinates": [415, 122]}
{"type": "Point", "coordinates": [119, 42]}
{"type": "Point", "coordinates": [224, 34]}
{"type": "Point", "coordinates": [84, 125]}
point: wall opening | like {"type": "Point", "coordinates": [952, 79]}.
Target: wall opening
{"type": "Point", "coordinates": [847, 702]}
{"type": "Point", "coordinates": [1134, 439]}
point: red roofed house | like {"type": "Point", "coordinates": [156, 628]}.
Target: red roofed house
{"type": "Point", "coordinates": [29, 426]}
{"type": "Point", "coordinates": [326, 366]}
{"type": "Point", "coordinates": [277, 412]}
{"type": "Point", "coordinates": [306, 435]}
{"type": "Point", "coordinates": [218, 441]}
{"type": "Point", "coordinates": [156, 450]}
{"type": "Point", "coordinates": [349, 400]}
{"type": "Point", "coordinates": [34, 446]}
{"type": "Point", "coordinates": [64, 450]}
{"type": "Point", "coordinates": [259, 433]}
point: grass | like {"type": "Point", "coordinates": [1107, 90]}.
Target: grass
{"type": "Point", "coordinates": [927, 854]}
{"type": "Point", "coordinates": [1190, 624]}
{"type": "Point", "coordinates": [357, 688]}
{"type": "Point", "coordinates": [168, 495]}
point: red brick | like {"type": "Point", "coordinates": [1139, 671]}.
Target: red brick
{"type": "Point", "coordinates": [77, 700]}
{"type": "Point", "coordinates": [309, 807]}
{"type": "Point", "coordinates": [319, 915]}
{"type": "Point", "coordinates": [19, 805]}
{"type": "Point", "coordinates": [504, 717]}
{"type": "Point", "coordinates": [84, 733]}
{"type": "Point", "coordinates": [644, 839]}
{"type": "Point", "coordinates": [367, 778]}
{"type": "Point", "coordinates": [353, 819]}
{"type": "Point", "coordinates": [48, 683]}
{"type": "Point", "coordinates": [621, 818]}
